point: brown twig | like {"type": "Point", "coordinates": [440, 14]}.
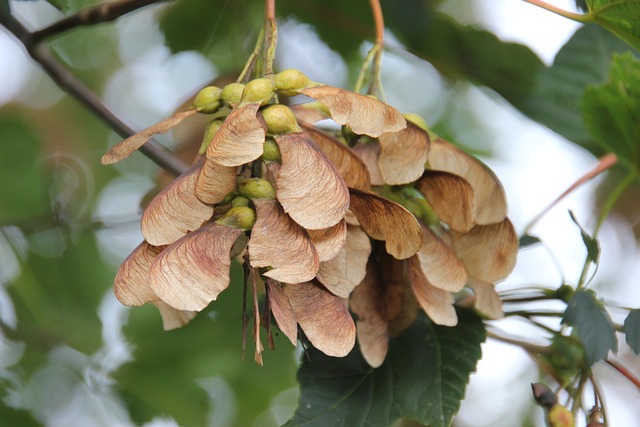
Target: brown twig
{"type": "Point", "coordinates": [606, 162]}
{"type": "Point", "coordinates": [68, 82]}
{"type": "Point", "coordinates": [625, 373]}
{"type": "Point", "coordinates": [104, 12]}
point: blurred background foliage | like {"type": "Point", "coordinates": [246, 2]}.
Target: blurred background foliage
{"type": "Point", "coordinates": [68, 350]}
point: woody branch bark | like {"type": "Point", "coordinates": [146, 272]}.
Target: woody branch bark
{"type": "Point", "coordinates": [33, 43]}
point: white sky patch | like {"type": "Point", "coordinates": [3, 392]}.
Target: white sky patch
{"type": "Point", "coordinates": [300, 47]}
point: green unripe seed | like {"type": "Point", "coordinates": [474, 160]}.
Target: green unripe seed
{"type": "Point", "coordinates": [271, 151]}
{"type": "Point", "coordinates": [232, 93]}
{"type": "Point", "coordinates": [207, 100]}
{"type": "Point", "coordinates": [280, 119]}
{"type": "Point", "coordinates": [258, 90]}
{"type": "Point", "coordinates": [416, 120]}
{"type": "Point", "coordinates": [241, 217]}
{"type": "Point", "coordinates": [209, 132]}
{"type": "Point", "coordinates": [256, 188]}
{"type": "Point", "coordinates": [228, 198]}
{"type": "Point", "coordinates": [291, 81]}
{"type": "Point", "coordinates": [240, 202]}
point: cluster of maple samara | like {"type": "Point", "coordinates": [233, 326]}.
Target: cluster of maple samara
{"type": "Point", "coordinates": [348, 233]}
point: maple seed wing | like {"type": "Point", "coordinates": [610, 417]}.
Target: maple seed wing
{"type": "Point", "coordinates": [308, 186]}
{"type": "Point", "coordinates": [175, 211]}
{"type": "Point", "coordinates": [192, 272]}
{"type": "Point", "coordinates": [131, 285]}
{"type": "Point", "coordinates": [346, 270]}
{"type": "Point", "coordinates": [488, 252]}
{"type": "Point", "coordinates": [240, 139]}
{"type": "Point", "coordinates": [440, 264]}
{"type": "Point", "coordinates": [323, 317]}
{"type": "Point", "coordinates": [490, 198]}
{"type": "Point", "coordinates": [172, 318]}
{"type": "Point", "coordinates": [124, 148]}
{"type": "Point", "coordinates": [367, 303]}
{"type": "Point", "coordinates": [282, 311]}
{"type": "Point", "coordinates": [451, 197]}
{"type": "Point", "coordinates": [437, 303]}
{"type": "Point", "coordinates": [488, 301]}
{"type": "Point", "coordinates": [351, 167]}
{"type": "Point", "coordinates": [329, 241]}
{"type": "Point", "coordinates": [385, 220]}
{"type": "Point", "coordinates": [365, 115]}
{"type": "Point", "coordinates": [278, 242]}
{"type": "Point", "coordinates": [403, 154]}
{"type": "Point", "coordinates": [214, 181]}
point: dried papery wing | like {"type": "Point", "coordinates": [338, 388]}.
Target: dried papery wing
{"type": "Point", "coordinates": [367, 303]}
{"type": "Point", "coordinates": [488, 252]}
{"type": "Point", "coordinates": [440, 264]}
{"type": "Point", "coordinates": [488, 301]}
{"type": "Point", "coordinates": [329, 241]}
{"type": "Point", "coordinates": [175, 211]}
{"type": "Point", "coordinates": [323, 317]}
{"type": "Point", "coordinates": [365, 115]}
{"type": "Point", "coordinates": [393, 278]}
{"type": "Point", "coordinates": [346, 270]}
{"type": "Point", "coordinates": [308, 186]}
{"type": "Point", "coordinates": [451, 197]}
{"type": "Point", "coordinates": [240, 139]}
{"type": "Point", "coordinates": [490, 198]}
{"type": "Point", "coordinates": [173, 318]}
{"type": "Point", "coordinates": [280, 243]}
{"type": "Point", "coordinates": [349, 165]}
{"type": "Point", "coordinates": [403, 154]}
{"type": "Point", "coordinates": [282, 311]}
{"type": "Point", "coordinates": [409, 314]}
{"type": "Point", "coordinates": [131, 285]}
{"type": "Point", "coordinates": [436, 302]}
{"type": "Point", "coordinates": [310, 112]}
{"type": "Point", "coordinates": [369, 153]}
{"type": "Point", "coordinates": [385, 220]}
{"type": "Point", "coordinates": [124, 148]}
{"type": "Point", "coordinates": [215, 181]}
{"type": "Point", "coordinates": [191, 272]}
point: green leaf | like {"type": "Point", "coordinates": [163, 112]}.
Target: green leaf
{"type": "Point", "coordinates": [592, 324]}
{"type": "Point", "coordinates": [631, 330]}
{"type": "Point", "coordinates": [528, 240]}
{"type": "Point", "coordinates": [423, 377]}
{"type": "Point", "coordinates": [221, 29]}
{"type": "Point", "coordinates": [591, 243]}
{"type": "Point", "coordinates": [463, 52]}
{"type": "Point", "coordinates": [611, 109]}
{"type": "Point", "coordinates": [621, 17]}
{"type": "Point", "coordinates": [555, 96]}
{"type": "Point", "coordinates": [23, 182]}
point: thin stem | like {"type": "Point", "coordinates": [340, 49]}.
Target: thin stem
{"type": "Point", "coordinates": [362, 75]}
{"type": "Point", "coordinates": [104, 12]}
{"type": "Point", "coordinates": [625, 373]}
{"type": "Point", "coordinates": [605, 163]}
{"type": "Point", "coordinates": [376, 83]}
{"type": "Point", "coordinates": [68, 82]}
{"type": "Point", "coordinates": [558, 11]}
{"type": "Point", "coordinates": [523, 344]}
{"type": "Point", "coordinates": [270, 10]}
{"type": "Point", "coordinates": [270, 41]}
{"type": "Point", "coordinates": [599, 400]}
{"type": "Point", "coordinates": [527, 314]}
{"type": "Point", "coordinates": [253, 58]}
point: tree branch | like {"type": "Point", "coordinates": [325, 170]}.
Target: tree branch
{"type": "Point", "coordinates": [68, 82]}
{"type": "Point", "coordinates": [104, 12]}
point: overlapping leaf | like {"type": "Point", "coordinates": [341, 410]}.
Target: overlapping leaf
{"type": "Point", "coordinates": [592, 324]}
{"type": "Point", "coordinates": [433, 361]}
